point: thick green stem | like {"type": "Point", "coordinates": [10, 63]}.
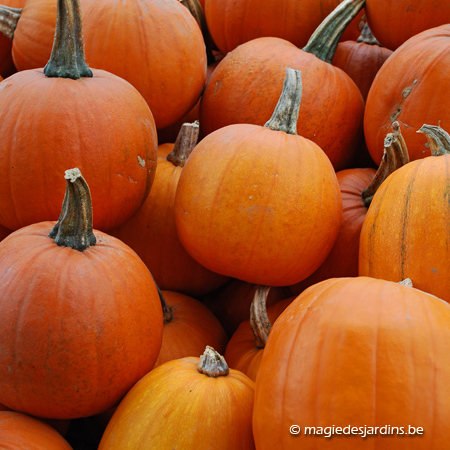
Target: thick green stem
{"type": "Point", "coordinates": [285, 116]}
{"type": "Point", "coordinates": [67, 57]}
{"type": "Point", "coordinates": [74, 226]}
{"type": "Point", "coordinates": [367, 37]}
{"type": "Point", "coordinates": [324, 41]}
{"type": "Point", "coordinates": [213, 364]}
{"type": "Point", "coordinates": [9, 18]}
{"type": "Point", "coordinates": [186, 141]}
{"type": "Point", "coordinates": [395, 156]}
{"type": "Point", "coordinates": [438, 139]}
{"type": "Point", "coordinates": [259, 321]}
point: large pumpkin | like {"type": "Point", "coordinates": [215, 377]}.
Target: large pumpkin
{"type": "Point", "coordinates": [81, 316]}
{"type": "Point", "coordinates": [356, 352]}
{"type": "Point", "coordinates": [186, 403]}
{"type": "Point", "coordinates": [245, 192]}
{"type": "Point", "coordinates": [245, 88]}
{"type": "Point", "coordinates": [406, 230]}
{"type": "Point", "coordinates": [70, 116]}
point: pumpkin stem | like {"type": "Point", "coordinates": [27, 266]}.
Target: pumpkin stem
{"type": "Point", "coordinates": [186, 141]}
{"type": "Point", "coordinates": [167, 310]}
{"type": "Point", "coordinates": [406, 282]}
{"type": "Point", "coordinates": [285, 115]}
{"type": "Point", "coordinates": [213, 364]}
{"type": "Point", "coordinates": [9, 18]}
{"type": "Point", "coordinates": [367, 36]}
{"type": "Point", "coordinates": [259, 321]}
{"type": "Point", "coordinates": [195, 8]}
{"type": "Point", "coordinates": [395, 156]}
{"type": "Point", "coordinates": [438, 139]}
{"type": "Point", "coordinates": [67, 57]}
{"type": "Point", "coordinates": [74, 226]}
{"type": "Point", "coordinates": [325, 39]}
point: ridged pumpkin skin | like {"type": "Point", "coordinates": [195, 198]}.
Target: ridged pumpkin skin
{"type": "Point", "coordinates": [19, 431]}
{"type": "Point", "coordinates": [191, 329]}
{"type": "Point", "coordinates": [101, 125]}
{"type": "Point", "coordinates": [394, 22]}
{"type": "Point", "coordinates": [342, 261]}
{"type": "Point", "coordinates": [361, 62]}
{"type": "Point", "coordinates": [409, 88]}
{"type": "Point", "coordinates": [242, 200]}
{"type": "Point", "coordinates": [358, 352]}
{"type": "Point", "coordinates": [175, 406]}
{"type": "Point", "coordinates": [246, 85]}
{"type": "Point", "coordinates": [231, 22]}
{"type": "Point", "coordinates": [152, 234]}
{"type": "Point", "coordinates": [78, 328]}
{"type": "Point", "coordinates": [406, 230]}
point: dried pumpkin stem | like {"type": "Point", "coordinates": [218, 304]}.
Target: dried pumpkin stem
{"type": "Point", "coordinates": [367, 36]}
{"type": "Point", "coordinates": [438, 139]}
{"type": "Point", "coordinates": [9, 18]}
{"type": "Point", "coordinates": [74, 226]}
{"type": "Point", "coordinates": [406, 282]}
{"type": "Point", "coordinates": [213, 364]}
{"type": "Point", "coordinates": [186, 141]}
{"type": "Point", "coordinates": [325, 39]}
{"type": "Point", "coordinates": [285, 115]}
{"type": "Point", "coordinates": [67, 57]}
{"type": "Point", "coordinates": [259, 321]}
{"type": "Point", "coordinates": [195, 8]}
{"type": "Point", "coordinates": [167, 310]}
{"type": "Point", "coordinates": [395, 156]}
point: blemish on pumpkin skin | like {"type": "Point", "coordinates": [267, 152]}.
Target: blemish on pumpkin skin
{"type": "Point", "coordinates": [435, 271]}
{"type": "Point", "coordinates": [141, 161]}
{"type": "Point", "coordinates": [405, 93]}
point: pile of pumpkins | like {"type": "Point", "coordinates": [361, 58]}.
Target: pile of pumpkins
{"type": "Point", "coordinates": [223, 222]}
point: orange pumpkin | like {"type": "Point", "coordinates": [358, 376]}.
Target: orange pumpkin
{"type": "Point", "coordinates": [356, 352]}
{"type": "Point", "coordinates": [186, 403]}
{"type": "Point", "coordinates": [152, 234]}
{"type": "Point", "coordinates": [81, 316]}
{"type": "Point", "coordinates": [245, 88]}
{"type": "Point", "coordinates": [19, 431]}
{"type": "Point", "coordinates": [233, 207]}
{"type": "Point", "coordinates": [406, 230]}
{"type": "Point", "coordinates": [70, 116]}
{"type": "Point", "coordinates": [189, 326]}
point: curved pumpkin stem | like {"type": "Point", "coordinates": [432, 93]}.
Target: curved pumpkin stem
{"type": "Point", "coordinates": [438, 139]}
{"type": "Point", "coordinates": [259, 321]}
{"type": "Point", "coordinates": [213, 364]}
{"type": "Point", "coordinates": [167, 310]}
{"type": "Point", "coordinates": [196, 10]}
{"type": "Point", "coordinates": [186, 141]}
{"type": "Point", "coordinates": [285, 115]}
{"type": "Point", "coordinates": [367, 36]}
{"type": "Point", "coordinates": [67, 57]}
{"type": "Point", "coordinates": [395, 156]}
{"type": "Point", "coordinates": [324, 41]}
{"type": "Point", "coordinates": [74, 226]}
{"type": "Point", "coordinates": [9, 18]}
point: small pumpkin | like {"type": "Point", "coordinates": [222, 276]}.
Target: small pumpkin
{"type": "Point", "coordinates": [186, 403]}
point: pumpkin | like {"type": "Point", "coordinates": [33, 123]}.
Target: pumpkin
{"type": "Point", "coordinates": [68, 114]}
{"type": "Point", "coordinates": [233, 23]}
{"type": "Point", "coordinates": [245, 348]}
{"type": "Point", "coordinates": [231, 302]}
{"type": "Point", "coordinates": [152, 234]}
{"type": "Point", "coordinates": [27, 433]}
{"type": "Point", "coordinates": [406, 229]}
{"type": "Point", "coordinates": [409, 88]}
{"type": "Point", "coordinates": [233, 206]}
{"type": "Point", "coordinates": [81, 316]}
{"type": "Point", "coordinates": [186, 403]}
{"type": "Point", "coordinates": [9, 13]}
{"type": "Point", "coordinates": [356, 352]}
{"type": "Point", "coordinates": [358, 186]}
{"type": "Point", "coordinates": [245, 88]}
{"type": "Point", "coordinates": [393, 23]}
{"type": "Point", "coordinates": [361, 59]}
{"type": "Point", "coordinates": [188, 326]}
